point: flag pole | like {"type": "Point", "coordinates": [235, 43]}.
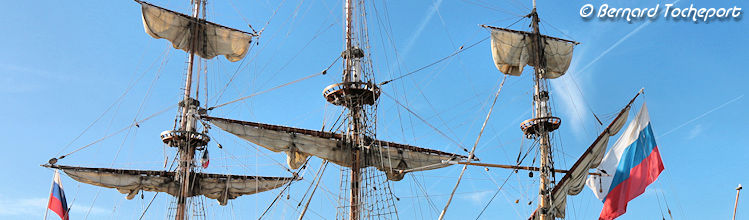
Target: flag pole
{"type": "Point", "coordinates": [46, 208]}
{"type": "Point", "coordinates": [735, 205]}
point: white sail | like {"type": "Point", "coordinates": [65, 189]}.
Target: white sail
{"type": "Point", "coordinates": [215, 186]}
{"type": "Point", "coordinates": [224, 187]}
{"type": "Point", "coordinates": [512, 50]}
{"type": "Point", "coordinates": [574, 181]}
{"type": "Point", "coordinates": [212, 39]}
{"type": "Point", "coordinates": [298, 144]}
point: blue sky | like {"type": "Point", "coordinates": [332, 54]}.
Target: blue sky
{"type": "Point", "coordinates": [65, 64]}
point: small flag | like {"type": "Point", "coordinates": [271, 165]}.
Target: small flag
{"type": "Point", "coordinates": [57, 201]}
{"type": "Point", "coordinates": [632, 164]}
{"type": "Point", "coordinates": [205, 160]}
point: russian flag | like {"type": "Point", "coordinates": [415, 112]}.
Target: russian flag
{"type": "Point", "coordinates": [57, 201]}
{"type": "Point", "coordinates": [205, 159]}
{"type": "Point", "coordinates": [628, 168]}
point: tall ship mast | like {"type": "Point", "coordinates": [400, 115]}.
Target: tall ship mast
{"type": "Point", "coordinates": [196, 36]}
{"type": "Point", "coordinates": [365, 191]}
{"type": "Point", "coordinates": [550, 58]}
{"type": "Point", "coordinates": [368, 163]}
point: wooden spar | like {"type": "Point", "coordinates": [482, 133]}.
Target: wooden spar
{"type": "Point", "coordinates": [356, 112]}
{"type": "Point", "coordinates": [541, 109]}
{"type": "Point", "coordinates": [736, 205]}
{"type": "Point", "coordinates": [515, 167]}
{"type": "Point", "coordinates": [187, 150]}
{"type": "Point", "coordinates": [528, 33]}
{"type": "Point", "coordinates": [590, 149]}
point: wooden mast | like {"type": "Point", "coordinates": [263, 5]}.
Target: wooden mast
{"type": "Point", "coordinates": [542, 110]}
{"type": "Point", "coordinates": [187, 149]}
{"type": "Point", "coordinates": [355, 115]}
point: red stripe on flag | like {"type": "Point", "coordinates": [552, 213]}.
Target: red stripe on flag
{"type": "Point", "coordinates": [640, 177]}
{"type": "Point", "coordinates": [56, 206]}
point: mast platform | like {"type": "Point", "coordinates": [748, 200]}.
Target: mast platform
{"type": "Point", "coordinates": [533, 127]}
{"type": "Point", "coordinates": [183, 138]}
{"type": "Point", "coordinates": [352, 92]}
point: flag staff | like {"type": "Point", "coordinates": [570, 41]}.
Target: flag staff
{"type": "Point", "coordinates": [735, 205]}
{"type": "Point", "coordinates": [51, 187]}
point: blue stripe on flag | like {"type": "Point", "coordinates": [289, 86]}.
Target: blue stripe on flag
{"type": "Point", "coordinates": [634, 155]}
{"type": "Point", "coordinates": [60, 195]}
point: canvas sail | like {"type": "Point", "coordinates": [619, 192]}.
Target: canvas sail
{"type": "Point", "coordinates": [574, 181]}
{"type": "Point", "coordinates": [512, 50]}
{"type": "Point", "coordinates": [298, 144]}
{"type": "Point", "coordinates": [212, 39]}
{"type": "Point", "coordinates": [215, 186]}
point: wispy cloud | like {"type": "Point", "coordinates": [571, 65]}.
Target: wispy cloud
{"type": "Point", "coordinates": [570, 92]}
{"type": "Point", "coordinates": [432, 11]}
{"type": "Point", "coordinates": [478, 197]}
{"type": "Point", "coordinates": [22, 206]}
{"type": "Point", "coordinates": [618, 42]}
{"type": "Point", "coordinates": [702, 115]}
{"type": "Point", "coordinates": [696, 131]}
{"type": "Point", "coordinates": [20, 79]}
{"type": "Point", "coordinates": [35, 207]}
{"type": "Point", "coordinates": [571, 86]}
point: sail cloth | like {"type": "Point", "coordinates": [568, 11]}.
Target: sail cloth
{"type": "Point", "coordinates": [574, 181]}
{"type": "Point", "coordinates": [512, 50]}
{"type": "Point", "coordinates": [215, 186]}
{"type": "Point", "coordinates": [633, 163]}
{"type": "Point", "coordinates": [298, 144]}
{"type": "Point", "coordinates": [212, 39]}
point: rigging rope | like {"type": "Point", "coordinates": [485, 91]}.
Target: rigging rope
{"type": "Point", "coordinates": [470, 155]}
{"type": "Point", "coordinates": [117, 132]}
{"type": "Point", "coordinates": [499, 188]}
{"type": "Point", "coordinates": [270, 19]}
{"type": "Point", "coordinates": [164, 54]}
{"type": "Point", "coordinates": [148, 206]}
{"type": "Point", "coordinates": [319, 179]}
{"type": "Point", "coordinates": [304, 166]}
{"type": "Point", "coordinates": [460, 49]}
{"type": "Point", "coordinates": [495, 195]}
{"type": "Point", "coordinates": [277, 87]}
{"type": "Point", "coordinates": [425, 122]}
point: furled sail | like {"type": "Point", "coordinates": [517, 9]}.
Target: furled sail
{"type": "Point", "coordinates": [212, 39]}
{"type": "Point", "coordinates": [574, 181]}
{"type": "Point", "coordinates": [298, 144]}
{"type": "Point", "coordinates": [512, 50]}
{"type": "Point", "coordinates": [215, 186]}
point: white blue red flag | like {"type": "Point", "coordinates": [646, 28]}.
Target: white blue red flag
{"type": "Point", "coordinates": [205, 159]}
{"type": "Point", "coordinates": [628, 168]}
{"type": "Point", "coordinates": [57, 201]}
